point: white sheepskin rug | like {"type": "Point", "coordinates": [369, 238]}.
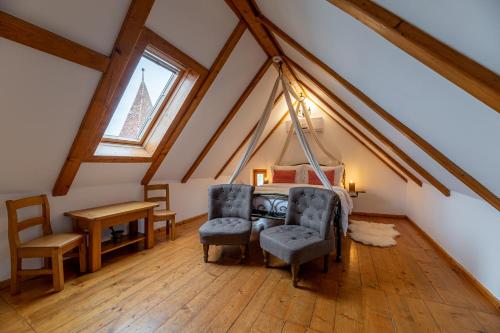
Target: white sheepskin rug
{"type": "Point", "coordinates": [375, 234]}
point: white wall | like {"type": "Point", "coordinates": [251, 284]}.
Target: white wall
{"type": "Point", "coordinates": [385, 190]}
{"type": "Point", "coordinates": [187, 200]}
{"type": "Point", "coordinates": [238, 71]}
{"type": "Point", "coordinates": [197, 27]}
{"type": "Point", "coordinates": [92, 23]}
{"type": "Point", "coordinates": [467, 228]}
{"type": "Point", "coordinates": [456, 123]}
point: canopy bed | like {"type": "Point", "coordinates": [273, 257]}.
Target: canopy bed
{"type": "Point", "coordinates": [271, 201]}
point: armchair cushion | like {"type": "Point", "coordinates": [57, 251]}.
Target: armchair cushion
{"type": "Point", "coordinates": [228, 200]}
{"type": "Point", "coordinates": [313, 208]}
{"type": "Point", "coordinates": [295, 244]}
{"type": "Point", "coordinates": [226, 231]}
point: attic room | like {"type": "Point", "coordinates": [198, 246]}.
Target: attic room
{"type": "Point", "coordinates": [249, 165]}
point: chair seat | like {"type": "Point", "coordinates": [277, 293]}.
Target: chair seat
{"type": "Point", "coordinates": [295, 244]}
{"type": "Point", "coordinates": [52, 241]}
{"type": "Point", "coordinates": [164, 213]}
{"type": "Point", "coordinates": [226, 231]}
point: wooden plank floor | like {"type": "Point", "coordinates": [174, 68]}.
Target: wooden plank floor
{"type": "Point", "coordinates": [406, 288]}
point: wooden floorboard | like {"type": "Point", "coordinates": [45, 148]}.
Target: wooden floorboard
{"type": "Point", "coordinates": [406, 288]}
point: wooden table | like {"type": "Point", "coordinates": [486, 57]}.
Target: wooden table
{"type": "Point", "coordinates": [95, 220]}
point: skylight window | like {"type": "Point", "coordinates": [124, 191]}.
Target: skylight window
{"type": "Point", "coordinates": [144, 96]}
{"type": "Point", "coordinates": [151, 100]}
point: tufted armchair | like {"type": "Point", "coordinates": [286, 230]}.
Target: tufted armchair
{"type": "Point", "coordinates": [307, 233]}
{"type": "Point", "coordinates": [229, 213]}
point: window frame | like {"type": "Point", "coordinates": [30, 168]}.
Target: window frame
{"type": "Point", "coordinates": [181, 73]}
{"type": "Point", "coordinates": [257, 172]}
{"type": "Point", "coordinates": [182, 92]}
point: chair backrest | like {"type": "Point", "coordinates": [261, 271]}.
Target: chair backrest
{"type": "Point", "coordinates": [228, 200]}
{"type": "Point", "coordinates": [15, 226]}
{"type": "Point", "coordinates": [158, 187]}
{"type": "Point", "coordinates": [313, 208]}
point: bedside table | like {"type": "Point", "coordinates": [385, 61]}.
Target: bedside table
{"type": "Point", "coordinates": [355, 194]}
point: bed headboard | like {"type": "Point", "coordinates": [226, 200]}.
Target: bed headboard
{"type": "Point", "coordinates": [323, 165]}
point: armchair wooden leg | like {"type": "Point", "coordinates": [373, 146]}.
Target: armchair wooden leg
{"type": "Point", "coordinates": [266, 258]}
{"type": "Point", "coordinates": [15, 277]}
{"type": "Point", "coordinates": [326, 263]}
{"type": "Point", "coordinates": [57, 270]}
{"type": "Point", "coordinates": [205, 252]}
{"type": "Point", "coordinates": [243, 249]}
{"type": "Point", "coordinates": [82, 256]}
{"type": "Point", "coordinates": [295, 274]}
{"type": "Point", "coordinates": [172, 229]}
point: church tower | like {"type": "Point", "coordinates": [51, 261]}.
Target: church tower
{"type": "Point", "coordinates": [140, 110]}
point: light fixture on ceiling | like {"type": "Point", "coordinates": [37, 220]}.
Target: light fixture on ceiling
{"type": "Point", "coordinates": [305, 104]}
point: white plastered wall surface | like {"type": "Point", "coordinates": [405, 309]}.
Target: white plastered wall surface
{"type": "Point", "coordinates": [456, 123]}
{"type": "Point", "coordinates": [385, 190]}
{"type": "Point", "coordinates": [44, 99]}
{"type": "Point", "coordinates": [39, 127]}
{"type": "Point", "coordinates": [241, 66]}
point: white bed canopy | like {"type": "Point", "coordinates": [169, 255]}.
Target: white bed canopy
{"type": "Point", "coordinates": [288, 93]}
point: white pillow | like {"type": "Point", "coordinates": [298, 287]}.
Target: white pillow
{"type": "Point", "coordinates": [299, 171]}
{"type": "Point", "coordinates": [339, 173]}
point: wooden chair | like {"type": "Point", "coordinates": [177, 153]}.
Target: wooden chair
{"type": "Point", "coordinates": [50, 246]}
{"type": "Point", "coordinates": [163, 214]}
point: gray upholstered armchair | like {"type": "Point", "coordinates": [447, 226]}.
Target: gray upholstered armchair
{"type": "Point", "coordinates": [229, 213]}
{"type": "Point", "coordinates": [307, 233]}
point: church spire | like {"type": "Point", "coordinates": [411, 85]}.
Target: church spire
{"type": "Point", "coordinates": [138, 113]}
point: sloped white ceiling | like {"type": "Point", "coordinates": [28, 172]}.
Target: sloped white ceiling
{"type": "Point", "coordinates": [456, 123]}
{"type": "Point", "coordinates": [37, 128]}
{"type": "Point", "coordinates": [470, 27]}
{"type": "Point", "coordinates": [200, 29]}
{"type": "Point", "coordinates": [43, 100]}
{"type": "Point", "coordinates": [97, 174]}
{"type": "Point", "coordinates": [197, 27]}
{"type": "Point", "coordinates": [238, 128]}
{"type": "Point", "coordinates": [92, 23]}
{"type": "Point", "coordinates": [401, 141]}
{"type": "Point", "coordinates": [242, 65]}
{"type": "Point", "coordinates": [279, 109]}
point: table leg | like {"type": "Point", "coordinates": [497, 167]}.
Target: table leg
{"type": "Point", "coordinates": [95, 246]}
{"type": "Point", "coordinates": [76, 227]}
{"type": "Point", "coordinates": [149, 230]}
{"type": "Point", "coordinates": [133, 228]}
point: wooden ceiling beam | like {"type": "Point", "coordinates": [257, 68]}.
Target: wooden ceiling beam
{"type": "Point", "coordinates": [375, 151]}
{"type": "Point", "coordinates": [174, 132]}
{"type": "Point", "coordinates": [246, 10]}
{"type": "Point", "coordinates": [434, 153]}
{"type": "Point", "coordinates": [100, 108]}
{"type": "Point", "coordinates": [247, 137]}
{"type": "Point", "coordinates": [362, 138]}
{"type": "Point", "coordinates": [28, 34]}
{"type": "Point", "coordinates": [408, 160]}
{"type": "Point", "coordinates": [249, 12]}
{"type": "Point", "coordinates": [474, 78]}
{"type": "Point", "coordinates": [234, 110]}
